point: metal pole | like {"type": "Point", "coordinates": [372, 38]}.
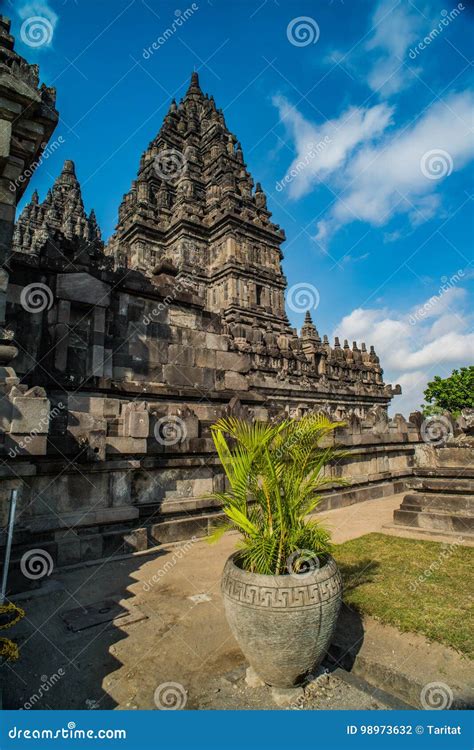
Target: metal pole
{"type": "Point", "coordinates": [8, 548]}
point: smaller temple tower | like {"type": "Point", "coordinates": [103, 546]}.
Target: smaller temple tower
{"type": "Point", "coordinates": [59, 226]}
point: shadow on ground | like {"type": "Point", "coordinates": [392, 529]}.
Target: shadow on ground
{"type": "Point", "coordinates": [349, 635]}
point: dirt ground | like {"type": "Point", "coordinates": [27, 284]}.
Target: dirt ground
{"type": "Point", "coordinates": [116, 634]}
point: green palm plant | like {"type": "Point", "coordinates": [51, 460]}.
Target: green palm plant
{"type": "Point", "coordinates": [274, 473]}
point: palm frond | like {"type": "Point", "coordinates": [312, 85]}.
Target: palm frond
{"type": "Point", "coordinates": [275, 472]}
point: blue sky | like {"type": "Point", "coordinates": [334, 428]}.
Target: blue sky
{"type": "Point", "coordinates": [354, 116]}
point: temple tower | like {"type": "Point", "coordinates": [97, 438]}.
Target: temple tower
{"type": "Point", "coordinates": [194, 204]}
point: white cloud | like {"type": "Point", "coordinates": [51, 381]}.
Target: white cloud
{"type": "Point", "coordinates": [399, 174]}
{"type": "Point", "coordinates": [412, 353]}
{"type": "Point", "coordinates": [396, 25]}
{"type": "Point", "coordinates": [441, 302]}
{"type": "Point", "coordinates": [341, 136]}
{"type": "Point", "coordinates": [375, 171]}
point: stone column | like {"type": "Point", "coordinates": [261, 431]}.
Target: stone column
{"type": "Point", "coordinates": [27, 120]}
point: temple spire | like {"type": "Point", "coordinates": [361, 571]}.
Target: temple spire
{"type": "Point", "coordinates": [60, 216]}
{"type": "Point", "coordinates": [68, 174]}
{"type": "Point", "coordinates": [194, 86]}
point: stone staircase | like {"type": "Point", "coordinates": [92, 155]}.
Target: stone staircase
{"type": "Point", "coordinates": [441, 500]}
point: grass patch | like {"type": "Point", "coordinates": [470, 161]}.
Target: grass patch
{"type": "Point", "coordinates": [382, 579]}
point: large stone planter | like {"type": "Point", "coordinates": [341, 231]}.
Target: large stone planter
{"type": "Point", "coordinates": [283, 624]}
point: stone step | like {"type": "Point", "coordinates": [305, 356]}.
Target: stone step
{"type": "Point", "coordinates": [445, 471]}
{"type": "Point", "coordinates": [419, 501]}
{"type": "Point", "coordinates": [451, 485]}
{"type": "Point", "coordinates": [447, 522]}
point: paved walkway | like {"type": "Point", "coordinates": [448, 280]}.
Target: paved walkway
{"type": "Point", "coordinates": [169, 628]}
{"type": "Point", "coordinates": [374, 515]}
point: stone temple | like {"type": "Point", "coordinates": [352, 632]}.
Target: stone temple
{"type": "Point", "coordinates": [116, 358]}
{"type": "Point", "coordinates": [192, 220]}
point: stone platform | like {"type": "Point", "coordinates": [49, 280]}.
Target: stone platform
{"type": "Point", "coordinates": [441, 499]}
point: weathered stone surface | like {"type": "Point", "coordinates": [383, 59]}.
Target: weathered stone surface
{"type": "Point", "coordinates": [252, 680]}
{"type": "Point", "coordinates": [82, 287]}
{"type": "Point", "coordinates": [232, 361]}
{"type": "Point", "coordinates": [284, 697]}
{"type": "Point", "coordinates": [136, 420]}
{"type": "Point", "coordinates": [30, 414]}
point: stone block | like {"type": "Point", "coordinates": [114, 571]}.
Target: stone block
{"type": "Point", "coordinates": [234, 381]}
{"type": "Point", "coordinates": [68, 549]}
{"type": "Point", "coordinates": [6, 413]}
{"type": "Point", "coordinates": [120, 488]}
{"type": "Point", "coordinates": [82, 287]}
{"type": "Point", "coordinates": [5, 138]}
{"type": "Point", "coordinates": [26, 445]}
{"type": "Point", "coordinates": [158, 351]}
{"type": "Point", "coordinates": [108, 407]}
{"type": "Point", "coordinates": [136, 540]}
{"type": "Point", "coordinates": [91, 547]}
{"type": "Point", "coordinates": [125, 445]}
{"type": "Point", "coordinates": [97, 369]}
{"type": "Point", "coordinates": [190, 337]}
{"type": "Point", "coordinates": [232, 361]}
{"type": "Point", "coordinates": [108, 363]}
{"type": "Point", "coordinates": [217, 341]}
{"type": "Point", "coordinates": [180, 355]}
{"type": "Point", "coordinates": [174, 531]}
{"type": "Point", "coordinates": [30, 414]}
{"type": "Point", "coordinates": [190, 377]}
{"type": "Point", "coordinates": [205, 358]}
{"type": "Point", "coordinates": [184, 318]}
{"type": "Point", "coordinates": [96, 445]}
{"type": "Point", "coordinates": [81, 422]}
{"type": "Point", "coordinates": [136, 423]}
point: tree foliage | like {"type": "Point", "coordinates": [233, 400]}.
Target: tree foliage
{"type": "Point", "coordinates": [274, 473]}
{"type": "Point", "coordinates": [451, 394]}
